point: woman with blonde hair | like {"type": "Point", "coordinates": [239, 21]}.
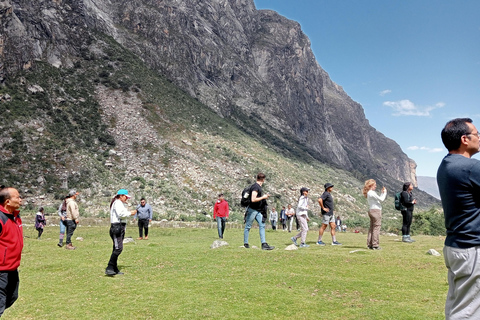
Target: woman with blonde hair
{"type": "Point", "coordinates": [374, 213]}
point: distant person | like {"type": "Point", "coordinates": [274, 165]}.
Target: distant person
{"type": "Point", "coordinates": [458, 179]}
{"type": "Point", "coordinates": [257, 211]}
{"type": "Point", "coordinates": [302, 216]}
{"type": "Point", "coordinates": [326, 203]}
{"type": "Point", "coordinates": [144, 215]}
{"type": "Point", "coordinates": [273, 218]}
{"type": "Point", "coordinates": [338, 223]}
{"type": "Point", "coordinates": [221, 211]}
{"type": "Point", "coordinates": [11, 245]}
{"type": "Point", "coordinates": [118, 213]}
{"type": "Point", "coordinates": [344, 228]}
{"type": "Point", "coordinates": [374, 212]}
{"type": "Point", "coordinates": [408, 203]}
{"type": "Point", "coordinates": [283, 218]}
{"type": "Point", "coordinates": [40, 221]}
{"type": "Point", "coordinates": [290, 215]}
{"type": "Point", "coordinates": [62, 213]}
{"type": "Point", "coordinates": [72, 217]}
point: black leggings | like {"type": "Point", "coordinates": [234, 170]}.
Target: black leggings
{"type": "Point", "coordinates": [117, 233]}
{"type": "Point", "coordinates": [407, 221]}
{"type": "Point", "coordinates": [40, 231]}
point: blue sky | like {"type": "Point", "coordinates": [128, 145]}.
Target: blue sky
{"type": "Point", "coordinates": [412, 64]}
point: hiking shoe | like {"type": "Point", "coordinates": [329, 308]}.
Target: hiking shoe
{"type": "Point", "coordinates": [336, 243]}
{"type": "Point", "coordinates": [246, 245]}
{"type": "Point", "coordinates": [411, 240]}
{"type": "Point", "coordinates": [321, 243]}
{"type": "Point", "coordinates": [70, 247]}
{"type": "Point", "coordinates": [370, 247]}
{"type": "Point", "coordinates": [304, 245]}
{"type": "Point", "coordinates": [406, 239]}
{"type": "Point", "coordinates": [294, 240]}
{"type": "Point", "coordinates": [265, 246]}
{"type": "Point", "coordinates": [110, 272]}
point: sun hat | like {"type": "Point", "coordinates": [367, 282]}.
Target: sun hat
{"type": "Point", "coordinates": [328, 185]}
{"type": "Point", "coordinates": [123, 192]}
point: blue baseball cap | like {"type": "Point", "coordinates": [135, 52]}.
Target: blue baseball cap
{"type": "Point", "coordinates": [123, 192]}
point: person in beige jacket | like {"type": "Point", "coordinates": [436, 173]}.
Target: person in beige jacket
{"type": "Point", "coordinates": [72, 218]}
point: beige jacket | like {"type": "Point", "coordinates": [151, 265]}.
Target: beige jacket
{"type": "Point", "coordinates": [72, 209]}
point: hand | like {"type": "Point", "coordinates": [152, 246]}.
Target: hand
{"type": "Point", "coordinates": [76, 221]}
{"type": "Point", "coordinates": [133, 220]}
{"type": "Point", "coordinates": [326, 209]}
{"type": "Point", "coordinates": [149, 220]}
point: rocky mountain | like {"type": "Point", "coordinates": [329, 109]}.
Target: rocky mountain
{"type": "Point", "coordinates": [103, 76]}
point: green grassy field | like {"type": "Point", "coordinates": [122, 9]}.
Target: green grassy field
{"type": "Point", "coordinates": [175, 275]}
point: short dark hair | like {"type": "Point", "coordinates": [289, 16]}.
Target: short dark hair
{"type": "Point", "coordinates": [4, 194]}
{"type": "Point", "coordinates": [260, 176]}
{"type": "Point", "coordinates": [406, 185]}
{"type": "Point", "coordinates": [143, 199]}
{"type": "Point", "coordinates": [453, 131]}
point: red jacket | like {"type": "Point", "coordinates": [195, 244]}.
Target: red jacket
{"type": "Point", "coordinates": [220, 209]}
{"type": "Point", "coordinates": [11, 240]}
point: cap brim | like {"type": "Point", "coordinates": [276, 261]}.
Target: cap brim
{"type": "Point", "coordinates": [128, 197]}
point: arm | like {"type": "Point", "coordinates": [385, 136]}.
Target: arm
{"type": "Point", "coordinates": [150, 213]}
{"type": "Point", "coordinates": [122, 211]}
{"type": "Point", "coordinates": [215, 210]}
{"type": "Point", "coordinates": [257, 199]}
{"type": "Point", "coordinates": [227, 208]}
{"type": "Point", "coordinates": [320, 202]}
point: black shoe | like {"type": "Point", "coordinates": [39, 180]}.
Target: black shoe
{"type": "Point", "coordinates": [110, 272]}
{"type": "Point", "coordinates": [265, 246]}
{"type": "Point", "coordinates": [246, 245]}
{"type": "Point", "coordinates": [60, 244]}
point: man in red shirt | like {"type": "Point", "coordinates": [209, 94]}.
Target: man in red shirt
{"type": "Point", "coordinates": [220, 213]}
{"type": "Point", "coordinates": [11, 245]}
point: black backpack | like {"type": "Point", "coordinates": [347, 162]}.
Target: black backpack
{"type": "Point", "coordinates": [246, 197]}
{"type": "Point", "coordinates": [398, 201]}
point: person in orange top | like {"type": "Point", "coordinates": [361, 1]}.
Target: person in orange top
{"type": "Point", "coordinates": [220, 213]}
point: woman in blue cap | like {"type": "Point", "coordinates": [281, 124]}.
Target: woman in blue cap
{"type": "Point", "coordinates": [118, 213]}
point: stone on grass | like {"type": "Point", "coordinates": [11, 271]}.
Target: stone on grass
{"type": "Point", "coordinates": [433, 252]}
{"type": "Point", "coordinates": [79, 239]}
{"type": "Point", "coordinates": [218, 243]}
{"type": "Point", "coordinates": [291, 247]}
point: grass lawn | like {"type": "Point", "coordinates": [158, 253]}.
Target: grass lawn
{"type": "Point", "coordinates": [175, 275]}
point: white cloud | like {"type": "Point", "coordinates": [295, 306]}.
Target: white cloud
{"type": "Point", "coordinates": [385, 92]}
{"type": "Point", "coordinates": [408, 108]}
{"type": "Point", "coordinates": [431, 150]}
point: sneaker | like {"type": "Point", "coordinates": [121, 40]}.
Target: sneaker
{"type": "Point", "coordinates": [406, 239]}
{"type": "Point", "coordinates": [119, 273]}
{"type": "Point", "coordinates": [411, 240]}
{"type": "Point", "coordinates": [376, 248]}
{"type": "Point", "coordinates": [304, 245]}
{"type": "Point", "coordinates": [246, 245]}
{"type": "Point", "coordinates": [110, 272]}
{"type": "Point", "coordinates": [265, 246]}
{"type": "Point", "coordinates": [336, 243]}
{"type": "Point", "coordinates": [321, 243]}
{"type": "Point", "coordinates": [294, 240]}
{"type": "Point", "coordinates": [370, 247]}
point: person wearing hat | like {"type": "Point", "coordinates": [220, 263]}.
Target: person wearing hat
{"type": "Point", "coordinates": [118, 213]}
{"type": "Point", "coordinates": [326, 203]}
{"type": "Point", "coordinates": [302, 216]}
{"type": "Point", "coordinates": [72, 218]}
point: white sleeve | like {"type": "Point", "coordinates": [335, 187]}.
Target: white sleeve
{"type": "Point", "coordinates": [120, 209]}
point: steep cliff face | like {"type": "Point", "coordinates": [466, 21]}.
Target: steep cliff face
{"type": "Point", "coordinates": [227, 54]}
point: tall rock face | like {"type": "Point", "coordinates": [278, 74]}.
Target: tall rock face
{"type": "Point", "coordinates": [230, 56]}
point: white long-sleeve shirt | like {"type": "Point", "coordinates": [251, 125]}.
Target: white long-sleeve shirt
{"type": "Point", "coordinates": [374, 200]}
{"type": "Point", "coordinates": [118, 211]}
{"type": "Point", "coordinates": [302, 207]}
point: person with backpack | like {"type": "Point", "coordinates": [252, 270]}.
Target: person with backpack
{"type": "Point", "coordinates": [458, 179]}
{"type": "Point", "coordinates": [257, 210]}
{"type": "Point", "coordinates": [302, 216]}
{"type": "Point", "coordinates": [374, 213]}
{"type": "Point", "coordinates": [408, 202]}
{"type": "Point", "coordinates": [62, 213]}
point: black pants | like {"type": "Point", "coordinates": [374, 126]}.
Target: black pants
{"type": "Point", "coordinates": [8, 289]}
{"type": "Point", "coordinates": [40, 231]}
{"type": "Point", "coordinates": [117, 233]}
{"type": "Point", "coordinates": [142, 225]}
{"type": "Point", "coordinates": [407, 221]}
{"type": "Point", "coordinates": [71, 226]}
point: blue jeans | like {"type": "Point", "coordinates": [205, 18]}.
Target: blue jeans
{"type": "Point", "coordinates": [254, 215]}
{"type": "Point", "coordinates": [62, 226]}
{"type": "Point", "coordinates": [221, 226]}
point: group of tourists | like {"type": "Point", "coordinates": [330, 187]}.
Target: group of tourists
{"type": "Point", "coordinates": [458, 179]}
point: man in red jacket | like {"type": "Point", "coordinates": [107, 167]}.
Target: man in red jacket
{"type": "Point", "coordinates": [220, 213]}
{"type": "Point", "coordinates": [11, 245]}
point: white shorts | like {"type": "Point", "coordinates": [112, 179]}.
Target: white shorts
{"type": "Point", "coordinates": [327, 219]}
